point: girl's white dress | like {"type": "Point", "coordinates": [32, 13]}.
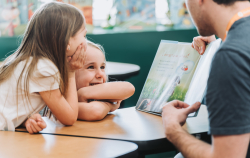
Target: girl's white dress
{"type": "Point", "coordinates": [13, 114]}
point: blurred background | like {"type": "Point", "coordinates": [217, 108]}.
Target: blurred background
{"type": "Point", "coordinates": [116, 15]}
{"type": "Point", "coordinates": [129, 30]}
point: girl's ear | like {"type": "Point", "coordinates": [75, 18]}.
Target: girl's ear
{"type": "Point", "coordinates": [68, 47]}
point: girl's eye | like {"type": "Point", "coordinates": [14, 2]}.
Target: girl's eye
{"type": "Point", "coordinates": [90, 67]}
{"type": "Point", "coordinates": [102, 67]}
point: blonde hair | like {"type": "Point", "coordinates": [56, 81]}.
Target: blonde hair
{"type": "Point", "coordinates": [99, 47]}
{"type": "Point", "coordinates": [46, 36]}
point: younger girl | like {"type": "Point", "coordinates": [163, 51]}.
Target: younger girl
{"type": "Point", "coordinates": [96, 97]}
{"type": "Point", "coordinates": [42, 70]}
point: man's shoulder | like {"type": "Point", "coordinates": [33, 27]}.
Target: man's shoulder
{"type": "Point", "coordinates": [228, 84]}
{"type": "Point", "coordinates": [237, 41]}
{"type": "Point", "coordinates": [242, 23]}
{"type": "Point", "coordinates": [238, 36]}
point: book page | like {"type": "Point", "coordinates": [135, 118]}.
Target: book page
{"type": "Point", "coordinates": [169, 77]}
{"type": "Point", "coordinates": [198, 84]}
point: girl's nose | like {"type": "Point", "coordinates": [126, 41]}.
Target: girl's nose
{"type": "Point", "coordinates": [100, 73]}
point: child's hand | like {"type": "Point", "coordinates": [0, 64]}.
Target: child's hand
{"type": "Point", "coordinates": [76, 61]}
{"type": "Point", "coordinates": [35, 124]}
{"type": "Point", "coordinates": [113, 107]}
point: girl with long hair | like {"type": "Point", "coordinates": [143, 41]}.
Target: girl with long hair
{"type": "Point", "coordinates": [42, 70]}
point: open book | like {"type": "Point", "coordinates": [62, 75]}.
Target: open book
{"type": "Point", "coordinates": [178, 72]}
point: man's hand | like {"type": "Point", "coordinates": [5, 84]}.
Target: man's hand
{"type": "Point", "coordinates": [199, 43]}
{"type": "Point", "coordinates": [35, 124]}
{"type": "Point", "coordinates": [175, 113]}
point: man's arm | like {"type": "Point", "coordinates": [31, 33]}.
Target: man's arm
{"type": "Point", "coordinates": [223, 146]}
{"type": "Point", "coordinates": [231, 146]}
{"type": "Point", "coordinates": [111, 91]}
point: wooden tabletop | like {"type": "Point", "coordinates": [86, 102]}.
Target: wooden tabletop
{"type": "Point", "coordinates": [144, 129]}
{"type": "Point", "coordinates": [20, 144]}
{"type": "Point", "coordinates": [198, 124]}
{"type": "Point", "coordinates": [127, 124]}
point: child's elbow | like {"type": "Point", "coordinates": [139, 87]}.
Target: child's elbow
{"type": "Point", "coordinates": [98, 115]}
{"type": "Point", "coordinates": [69, 122]}
{"type": "Point", "coordinates": [130, 89]}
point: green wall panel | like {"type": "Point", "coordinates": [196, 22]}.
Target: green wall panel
{"type": "Point", "coordinates": [8, 45]}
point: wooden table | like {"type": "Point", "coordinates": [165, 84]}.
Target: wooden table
{"type": "Point", "coordinates": [24, 145]}
{"type": "Point", "coordinates": [121, 71]}
{"type": "Point", "coordinates": [128, 124]}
